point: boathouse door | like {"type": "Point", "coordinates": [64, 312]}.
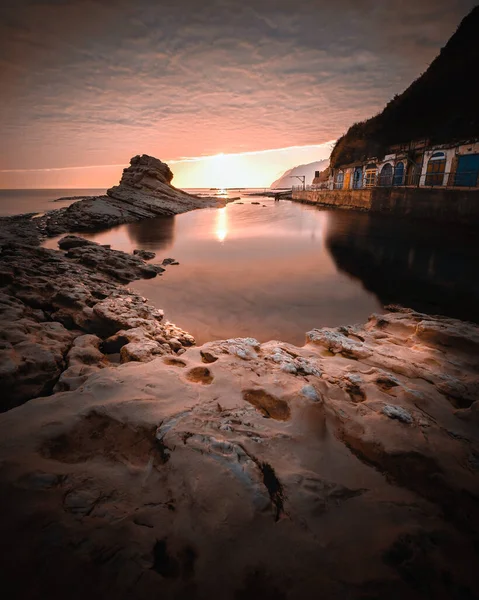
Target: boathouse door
{"type": "Point", "coordinates": [467, 172]}
{"type": "Point", "coordinates": [436, 168]}
{"type": "Point", "coordinates": [358, 178]}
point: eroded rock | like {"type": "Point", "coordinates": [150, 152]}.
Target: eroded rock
{"type": "Point", "coordinates": [272, 458]}
{"type": "Point", "coordinates": [399, 413]}
{"type": "Point", "coordinates": [50, 300]}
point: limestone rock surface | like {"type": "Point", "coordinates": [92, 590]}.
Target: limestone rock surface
{"type": "Point", "coordinates": [57, 310]}
{"type": "Point", "coordinates": [347, 468]}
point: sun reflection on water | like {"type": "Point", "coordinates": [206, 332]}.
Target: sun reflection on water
{"type": "Point", "coordinates": [221, 229]}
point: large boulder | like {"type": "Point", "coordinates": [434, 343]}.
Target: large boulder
{"type": "Point", "coordinates": [146, 172]}
{"type": "Point", "coordinates": [146, 185]}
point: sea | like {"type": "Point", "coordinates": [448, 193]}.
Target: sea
{"type": "Point", "coordinates": [274, 270]}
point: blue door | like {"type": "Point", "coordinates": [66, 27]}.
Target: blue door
{"type": "Point", "coordinates": [398, 174]}
{"type": "Point", "coordinates": [467, 171]}
{"type": "Point", "coordinates": [358, 178]}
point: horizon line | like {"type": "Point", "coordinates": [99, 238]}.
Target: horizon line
{"type": "Point", "coordinates": [170, 161]}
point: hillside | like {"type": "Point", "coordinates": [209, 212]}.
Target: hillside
{"type": "Point", "coordinates": [286, 181]}
{"type": "Point", "coordinates": [441, 105]}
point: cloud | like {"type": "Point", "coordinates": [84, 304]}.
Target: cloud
{"type": "Point", "coordinates": [96, 81]}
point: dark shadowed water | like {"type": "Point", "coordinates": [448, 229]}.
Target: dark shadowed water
{"type": "Point", "coordinates": [276, 271]}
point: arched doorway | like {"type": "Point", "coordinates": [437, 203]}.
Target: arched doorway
{"type": "Point", "coordinates": [398, 174]}
{"type": "Point", "coordinates": [358, 178]}
{"type": "Point", "coordinates": [436, 167]}
{"type": "Point", "coordinates": [338, 184]}
{"type": "Point", "coordinates": [386, 176]}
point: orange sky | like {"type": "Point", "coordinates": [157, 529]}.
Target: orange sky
{"type": "Point", "coordinates": [247, 169]}
{"type": "Point", "coordinates": [87, 84]}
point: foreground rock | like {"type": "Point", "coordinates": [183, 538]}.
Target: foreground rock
{"type": "Point", "coordinates": [145, 191]}
{"type": "Point", "coordinates": [344, 469]}
{"type": "Point", "coordinates": [64, 316]}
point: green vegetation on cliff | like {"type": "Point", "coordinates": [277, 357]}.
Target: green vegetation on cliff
{"type": "Point", "coordinates": [441, 105]}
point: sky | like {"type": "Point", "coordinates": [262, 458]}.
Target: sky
{"type": "Point", "coordinates": [228, 92]}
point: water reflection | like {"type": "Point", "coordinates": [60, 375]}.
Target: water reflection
{"type": "Point", "coordinates": [153, 233]}
{"type": "Point", "coordinates": [275, 272]}
{"type": "Point", "coordinates": [427, 267]}
{"type": "Point", "coordinates": [272, 278]}
{"type": "Point", "coordinates": [221, 224]}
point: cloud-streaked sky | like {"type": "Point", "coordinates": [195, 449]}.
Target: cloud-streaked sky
{"type": "Point", "coordinates": [94, 82]}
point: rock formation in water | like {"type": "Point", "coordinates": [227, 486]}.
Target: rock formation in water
{"type": "Point", "coordinates": [145, 191]}
{"type": "Point", "coordinates": [288, 179]}
{"type": "Point", "coordinates": [346, 468]}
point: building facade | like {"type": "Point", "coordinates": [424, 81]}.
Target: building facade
{"type": "Point", "coordinates": [417, 164]}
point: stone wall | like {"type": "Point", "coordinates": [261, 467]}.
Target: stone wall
{"type": "Point", "coordinates": [349, 199]}
{"type": "Point", "coordinates": [452, 205]}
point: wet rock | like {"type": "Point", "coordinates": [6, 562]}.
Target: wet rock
{"type": "Point", "coordinates": [159, 269]}
{"type": "Point", "coordinates": [144, 254]}
{"type": "Point", "coordinates": [73, 241]}
{"type": "Point", "coordinates": [120, 265]}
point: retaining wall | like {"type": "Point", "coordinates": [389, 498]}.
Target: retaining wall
{"type": "Point", "coordinates": [438, 204]}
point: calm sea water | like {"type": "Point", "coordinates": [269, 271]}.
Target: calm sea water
{"type": "Point", "coordinates": [277, 269]}
{"type": "Point", "coordinates": [15, 202]}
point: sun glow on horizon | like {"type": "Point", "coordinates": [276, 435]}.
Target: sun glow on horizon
{"type": "Point", "coordinates": [248, 169]}
{"type": "Point", "coordinates": [253, 169]}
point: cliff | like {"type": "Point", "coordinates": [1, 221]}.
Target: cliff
{"type": "Point", "coordinates": [441, 105]}
{"type": "Point", "coordinates": [308, 170]}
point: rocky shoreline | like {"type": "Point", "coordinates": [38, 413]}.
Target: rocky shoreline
{"type": "Point", "coordinates": [64, 314]}
{"type": "Point", "coordinates": [241, 469]}
{"type": "Point", "coordinates": [137, 465]}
